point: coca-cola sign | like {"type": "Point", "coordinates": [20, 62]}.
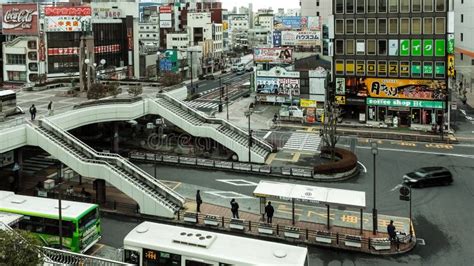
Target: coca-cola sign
{"type": "Point", "coordinates": [20, 19]}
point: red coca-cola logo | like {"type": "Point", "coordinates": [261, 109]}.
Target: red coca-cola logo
{"type": "Point", "coordinates": [18, 18]}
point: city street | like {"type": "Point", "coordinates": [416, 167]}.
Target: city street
{"type": "Point", "coordinates": [441, 215]}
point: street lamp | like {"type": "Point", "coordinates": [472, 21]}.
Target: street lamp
{"type": "Point", "coordinates": [248, 115]}
{"type": "Point", "coordinates": [374, 210]}
{"type": "Point", "coordinates": [87, 61]}
{"type": "Point", "coordinates": [227, 99]}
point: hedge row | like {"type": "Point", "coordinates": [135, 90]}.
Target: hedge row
{"type": "Point", "coordinates": [346, 162]}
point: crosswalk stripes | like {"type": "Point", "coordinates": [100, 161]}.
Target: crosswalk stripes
{"type": "Point", "coordinates": [303, 142]}
{"type": "Point", "coordinates": [202, 105]}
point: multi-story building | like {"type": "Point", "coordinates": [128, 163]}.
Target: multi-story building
{"type": "Point", "coordinates": [464, 42]}
{"type": "Point", "coordinates": [318, 8]}
{"type": "Point", "coordinates": [264, 20]}
{"type": "Point", "coordinates": [258, 37]}
{"type": "Point", "coordinates": [149, 30]}
{"type": "Point", "coordinates": [238, 30]}
{"type": "Point", "coordinates": [391, 60]}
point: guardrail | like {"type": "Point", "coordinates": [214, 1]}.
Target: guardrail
{"type": "Point", "coordinates": [295, 234]}
{"type": "Point", "coordinates": [64, 257]}
{"type": "Point", "coordinates": [223, 165]}
{"type": "Point", "coordinates": [108, 101]}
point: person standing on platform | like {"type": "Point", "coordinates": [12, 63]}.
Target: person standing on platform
{"type": "Point", "coordinates": [234, 207]}
{"type": "Point", "coordinates": [269, 212]}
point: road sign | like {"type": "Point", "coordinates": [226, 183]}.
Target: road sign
{"type": "Point", "coordinates": [404, 191]}
{"type": "Point", "coordinates": [405, 198]}
{"type": "Point", "coordinates": [454, 106]}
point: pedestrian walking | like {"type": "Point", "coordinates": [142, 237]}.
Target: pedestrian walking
{"type": "Point", "coordinates": [391, 231]}
{"type": "Point", "coordinates": [50, 108]}
{"type": "Point", "coordinates": [33, 112]}
{"type": "Point", "coordinates": [234, 207]}
{"type": "Point", "coordinates": [269, 212]}
{"type": "Point", "coordinates": [198, 201]}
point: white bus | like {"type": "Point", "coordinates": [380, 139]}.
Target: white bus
{"type": "Point", "coordinates": [153, 244]}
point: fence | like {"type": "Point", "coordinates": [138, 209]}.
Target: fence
{"type": "Point", "coordinates": [295, 234]}
{"type": "Point", "coordinates": [223, 165]}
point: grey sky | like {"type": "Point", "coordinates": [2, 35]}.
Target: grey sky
{"type": "Point", "coordinates": [275, 4]}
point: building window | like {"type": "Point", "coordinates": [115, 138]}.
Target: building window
{"type": "Point", "coordinates": [416, 6]}
{"type": "Point", "coordinates": [339, 47]}
{"type": "Point", "coordinates": [371, 47]}
{"type": "Point", "coordinates": [416, 26]}
{"type": "Point", "coordinates": [404, 6]}
{"type": "Point", "coordinates": [339, 6]}
{"type": "Point", "coordinates": [462, 37]}
{"type": "Point", "coordinates": [428, 6]}
{"type": "Point", "coordinates": [440, 26]}
{"type": "Point", "coordinates": [462, 56]}
{"type": "Point", "coordinates": [350, 6]}
{"type": "Point", "coordinates": [339, 26]}
{"type": "Point", "coordinates": [360, 47]}
{"type": "Point", "coordinates": [360, 6]}
{"type": "Point", "coordinates": [16, 75]}
{"type": "Point", "coordinates": [382, 26]}
{"type": "Point", "coordinates": [350, 47]}
{"type": "Point", "coordinates": [393, 6]}
{"type": "Point", "coordinates": [382, 47]}
{"type": "Point", "coordinates": [427, 25]}
{"type": "Point", "coordinates": [16, 59]}
{"type": "Point", "coordinates": [371, 28]}
{"type": "Point", "coordinates": [462, 18]}
{"type": "Point", "coordinates": [404, 26]}
{"type": "Point", "coordinates": [393, 26]}
{"type": "Point", "coordinates": [382, 6]}
{"type": "Point", "coordinates": [440, 5]}
{"type": "Point", "coordinates": [360, 26]}
{"type": "Point", "coordinates": [371, 6]}
{"type": "Point", "coordinates": [349, 26]}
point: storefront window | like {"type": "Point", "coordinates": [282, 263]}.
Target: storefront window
{"type": "Point", "coordinates": [32, 44]}
{"type": "Point", "coordinates": [371, 113]}
{"type": "Point", "coordinates": [33, 56]}
{"type": "Point", "coordinates": [16, 76]}
{"type": "Point", "coordinates": [382, 113]}
{"type": "Point", "coordinates": [415, 116]}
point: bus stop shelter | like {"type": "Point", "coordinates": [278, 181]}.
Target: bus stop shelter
{"type": "Point", "coordinates": [341, 198]}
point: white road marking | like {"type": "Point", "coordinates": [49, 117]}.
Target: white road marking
{"type": "Point", "coordinates": [363, 166]}
{"type": "Point", "coordinates": [228, 194]}
{"type": "Point", "coordinates": [396, 187]}
{"type": "Point", "coordinates": [303, 142]}
{"type": "Point", "coordinates": [267, 135]}
{"type": "Point", "coordinates": [238, 182]}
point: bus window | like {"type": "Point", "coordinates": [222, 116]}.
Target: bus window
{"type": "Point", "coordinates": [160, 258]}
{"type": "Point", "coordinates": [88, 218]}
{"type": "Point", "coordinates": [131, 256]}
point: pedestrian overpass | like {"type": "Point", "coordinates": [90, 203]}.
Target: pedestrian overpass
{"type": "Point", "coordinates": [153, 197]}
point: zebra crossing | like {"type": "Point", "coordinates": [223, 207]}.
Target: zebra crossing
{"type": "Point", "coordinates": [206, 105]}
{"type": "Point", "coordinates": [303, 142]}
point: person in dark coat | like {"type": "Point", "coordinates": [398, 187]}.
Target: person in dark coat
{"type": "Point", "coordinates": [269, 212]}
{"type": "Point", "coordinates": [391, 231]}
{"type": "Point", "coordinates": [234, 207]}
{"type": "Point", "coordinates": [50, 108]}
{"type": "Point", "coordinates": [198, 201]}
{"type": "Point", "coordinates": [33, 112]}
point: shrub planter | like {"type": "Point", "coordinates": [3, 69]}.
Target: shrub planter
{"type": "Point", "coordinates": [292, 232]}
{"type": "Point", "coordinates": [353, 241]}
{"type": "Point", "coordinates": [237, 224]}
{"type": "Point", "coordinates": [266, 229]}
{"type": "Point", "coordinates": [346, 161]}
{"type": "Point", "coordinates": [212, 220]}
{"type": "Point", "coordinates": [323, 237]}
{"type": "Point", "coordinates": [190, 217]}
{"type": "Point", "coordinates": [381, 243]}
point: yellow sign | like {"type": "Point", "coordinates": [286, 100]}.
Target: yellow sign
{"type": "Point", "coordinates": [225, 25]}
{"type": "Point", "coordinates": [405, 69]}
{"type": "Point", "coordinates": [382, 68]}
{"type": "Point", "coordinates": [406, 88]}
{"type": "Point", "coordinates": [339, 67]}
{"type": "Point", "coordinates": [371, 68]}
{"type": "Point", "coordinates": [305, 103]}
{"type": "Point", "coordinates": [393, 68]}
{"type": "Point", "coordinates": [340, 99]}
{"type": "Point", "coordinates": [360, 66]}
{"type": "Point", "coordinates": [350, 67]}
{"type": "Point", "coordinates": [451, 66]}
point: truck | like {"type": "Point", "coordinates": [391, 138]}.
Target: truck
{"type": "Point", "coordinates": [290, 113]}
{"type": "Point", "coordinates": [244, 64]}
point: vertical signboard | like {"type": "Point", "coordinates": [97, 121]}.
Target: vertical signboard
{"type": "Point", "coordinates": [451, 66]}
{"type": "Point", "coordinates": [450, 49]}
{"type": "Point", "coordinates": [440, 46]}
{"type": "Point", "coordinates": [427, 47]}
{"type": "Point", "coordinates": [340, 86]}
{"type": "Point", "coordinates": [276, 38]}
{"type": "Point", "coordinates": [20, 19]}
{"type": "Point", "coordinates": [405, 47]}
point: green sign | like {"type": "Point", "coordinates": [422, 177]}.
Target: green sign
{"type": "Point", "coordinates": [428, 70]}
{"type": "Point", "coordinates": [416, 47]}
{"type": "Point", "coordinates": [416, 69]}
{"type": "Point", "coordinates": [428, 48]}
{"type": "Point", "coordinates": [451, 43]}
{"type": "Point", "coordinates": [440, 69]}
{"type": "Point", "coordinates": [405, 47]}
{"type": "Point", "coordinates": [440, 47]}
{"type": "Point", "coordinates": [405, 103]}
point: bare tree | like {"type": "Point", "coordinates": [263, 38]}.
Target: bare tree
{"type": "Point", "coordinates": [19, 248]}
{"type": "Point", "coordinates": [328, 132]}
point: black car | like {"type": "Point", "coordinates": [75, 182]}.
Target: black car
{"type": "Point", "coordinates": [210, 77]}
{"type": "Point", "coordinates": [428, 176]}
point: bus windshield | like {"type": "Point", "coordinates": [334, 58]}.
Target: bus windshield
{"type": "Point", "coordinates": [88, 219]}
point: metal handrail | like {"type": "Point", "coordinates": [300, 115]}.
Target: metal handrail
{"type": "Point", "coordinates": [71, 258]}
{"type": "Point", "coordinates": [131, 169]}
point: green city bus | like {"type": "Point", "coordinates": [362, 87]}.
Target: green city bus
{"type": "Point", "coordinates": [80, 221]}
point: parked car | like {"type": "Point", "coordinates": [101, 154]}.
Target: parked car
{"type": "Point", "coordinates": [428, 176]}
{"type": "Point", "coordinates": [210, 77]}
{"type": "Point", "coordinates": [201, 77]}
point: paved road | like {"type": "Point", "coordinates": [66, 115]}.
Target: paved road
{"type": "Point", "coordinates": [442, 215]}
{"type": "Point", "coordinates": [230, 77]}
